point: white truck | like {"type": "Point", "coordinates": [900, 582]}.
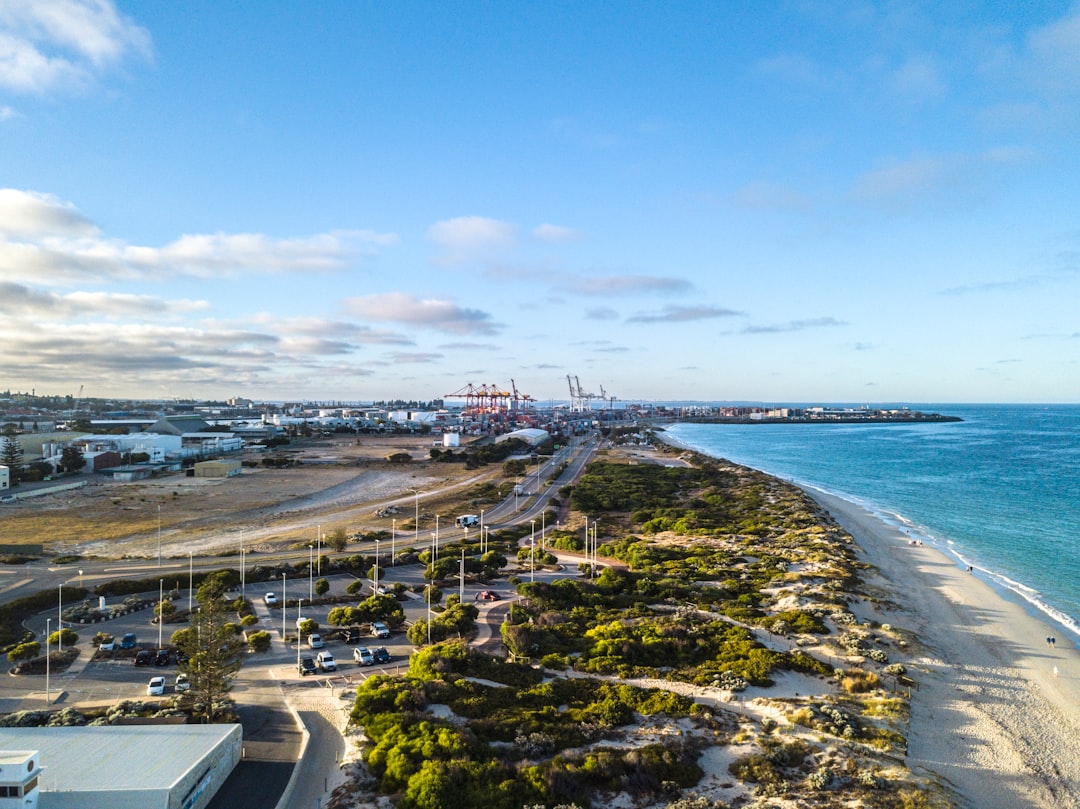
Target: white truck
{"type": "Point", "coordinates": [467, 521]}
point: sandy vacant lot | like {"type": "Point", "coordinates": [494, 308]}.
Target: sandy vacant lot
{"type": "Point", "coordinates": [337, 482]}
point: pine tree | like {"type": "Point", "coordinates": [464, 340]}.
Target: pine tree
{"type": "Point", "coordinates": [11, 456]}
{"type": "Point", "coordinates": [215, 653]}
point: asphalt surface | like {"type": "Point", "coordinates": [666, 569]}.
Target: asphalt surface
{"type": "Point", "coordinates": [272, 739]}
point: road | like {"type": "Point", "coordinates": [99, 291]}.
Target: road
{"type": "Point", "coordinates": [265, 690]}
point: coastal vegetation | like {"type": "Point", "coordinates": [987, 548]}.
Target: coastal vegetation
{"type": "Point", "coordinates": [720, 625]}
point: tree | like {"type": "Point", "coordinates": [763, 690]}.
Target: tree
{"type": "Point", "coordinates": [337, 540]}
{"type": "Point", "coordinates": [11, 456]}
{"type": "Point", "coordinates": [322, 587]}
{"type": "Point", "coordinates": [215, 652]}
{"type": "Point", "coordinates": [71, 459]}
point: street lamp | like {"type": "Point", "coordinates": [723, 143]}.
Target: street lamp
{"type": "Point", "coordinates": [482, 549]}
{"type": "Point", "coordinates": [393, 541]}
{"type": "Point", "coordinates": [416, 519]}
{"type": "Point", "coordinates": [429, 613]}
{"type": "Point", "coordinates": [310, 571]}
{"type": "Point", "coordinates": [161, 612]}
{"type": "Point", "coordinates": [60, 617]}
{"type": "Point", "coordinates": [283, 609]}
{"type": "Point", "coordinates": [159, 535]}
{"type": "Point", "coordinates": [532, 553]}
{"type": "Point", "coordinates": [436, 536]}
{"type": "Point", "coordinates": [318, 550]}
{"type": "Point", "coordinates": [375, 587]}
{"type": "Point", "coordinates": [190, 583]}
{"type": "Point", "coordinates": [299, 604]}
{"type": "Point", "coordinates": [243, 583]}
{"type": "Point", "coordinates": [461, 592]}
{"type": "Point", "coordinates": [48, 630]}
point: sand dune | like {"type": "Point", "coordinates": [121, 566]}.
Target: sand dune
{"type": "Point", "coordinates": [996, 713]}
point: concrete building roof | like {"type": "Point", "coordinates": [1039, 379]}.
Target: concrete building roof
{"type": "Point", "coordinates": [116, 758]}
{"type": "Point", "coordinates": [532, 435]}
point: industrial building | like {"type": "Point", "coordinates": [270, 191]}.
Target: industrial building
{"type": "Point", "coordinates": [222, 468]}
{"type": "Point", "coordinates": [122, 767]}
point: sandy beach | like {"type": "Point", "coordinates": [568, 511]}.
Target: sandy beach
{"type": "Point", "coordinates": [995, 716]}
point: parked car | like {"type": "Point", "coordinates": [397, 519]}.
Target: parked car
{"type": "Point", "coordinates": [307, 666]}
{"type": "Point", "coordinates": [350, 635]}
{"type": "Point", "coordinates": [380, 630]}
{"type": "Point", "coordinates": [107, 646]}
{"type": "Point", "coordinates": [381, 655]}
{"type": "Point", "coordinates": [181, 656]}
{"type": "Point", "coordinates": [142, 658]}
{"type": "Point", "coordinates": [325, 661]}
{"type": "Point", "coordinates": [161, 657]}
{"type": "Point", "coordinates": [489, 595]}
{"type": "Point", "coordinates": [128, 641]}
{"type": "Point", "coordinates": [315, 640]}
{"type": "Point", "coordinates": [270, 599]}
{"type": "Point", "coordinates": [182, 683]}
{"type": "Point", "coordinates": [156, 687]}
{"type": "Point", "coordinates": [362, 655]}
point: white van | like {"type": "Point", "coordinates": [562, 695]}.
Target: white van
{"type": "Point", "coordinates": [467, 521]}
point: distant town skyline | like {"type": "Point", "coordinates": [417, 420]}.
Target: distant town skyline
{"type": "Point", "coordinates": [771, 202]}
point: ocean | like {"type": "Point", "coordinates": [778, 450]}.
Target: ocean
{"type": "Point", "coordinates": [999, 491]}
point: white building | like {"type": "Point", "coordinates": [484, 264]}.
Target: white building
{"type": "Point", "coordinates": [19, 774]}
{"type": "Point", "coordinates": [5, 478]}
{"type": "Point", "coordinates": [126, 767]}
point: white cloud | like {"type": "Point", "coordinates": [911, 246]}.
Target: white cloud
{"type": "Point", "coordinates": [471, 233]}
{"type": "Point", "coordinates": [31, 214]}
{"type": "Point", "coordinates": [556, 234]}
{"type": "Point", "coordinates": [47, 241]}
{"type": "Point", "coordinates": [1055, 51]}
{"type": "Point", "coordinates": [46, 45]}
{"type": "Point", "coordinates": [441, 315]}
{"type": "Point", "coordinates": [683, 314]}
{"type": "Point", "coordinates": [625, 285]}
{"type": "Point", "coordinates": [7, 113]}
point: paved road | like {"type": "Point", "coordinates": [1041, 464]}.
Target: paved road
{"type": "Point", "coordinates": [272, 739]}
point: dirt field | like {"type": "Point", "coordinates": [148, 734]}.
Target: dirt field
{"type": "Point", "coordinates": [339, 483]}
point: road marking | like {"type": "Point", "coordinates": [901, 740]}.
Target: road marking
{"type": "Point", "coordinates": [143, 567]}
{"type": "Point", "coordinates": [15, 584]}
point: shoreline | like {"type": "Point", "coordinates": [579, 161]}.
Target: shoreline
{"type": "Point", "coordinates": [1029, 598]}
{"type": "Point", "coordinates": [994, 715]}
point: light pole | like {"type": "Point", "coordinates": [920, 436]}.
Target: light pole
{"type": "Point", "coordinates": [161, 612]}
{"type": "Point", "coordinates": [159, 535]}
{"type": "Point", "coordinates": [299, 604]}
{"type": "Point", "coordinates": [310, 571]}
{"type": "Point", "coordinates": [429, 614]}
{"type": "Point", "coordinates": [532, 553]}
{"type": "Point", "coordinates": [318, 551]}
{"type": "Point", "coordinates": [461, 592]}
{"type": "Point", "coordinates": [190, 583]}
{"type": "Point", "coordinates": [48, 631]}
{"type": "Point", "coordinates": [543, 530]}
{"type": "Point", "coordinates": [60, 617]}
{"type": "Point", "coordinates": [481, 531]}
{"type": "Point", "coordinates": [416, 519]}
{"type": "Point", "coordinates": [283, 609]}
{"type": "Point", "coordinates": [393, 541]}
{"type": "Point", "coordinates": [375, 586]}
{"type": "Point", "coordinates": [436, 536]}
{"type": "Point", "coordinates": [243, 583]}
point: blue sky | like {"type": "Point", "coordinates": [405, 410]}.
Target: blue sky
{"type": "Point", "coordinates": [766, 201]}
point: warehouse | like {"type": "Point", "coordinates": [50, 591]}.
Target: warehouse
{"type": "Point", "coordinates": [218, 468]}
{"type": "Point", "coordinates": [130, 766]}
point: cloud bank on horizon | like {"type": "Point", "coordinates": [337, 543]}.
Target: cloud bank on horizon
{"type": "Point", "coordinates": [831, 202]}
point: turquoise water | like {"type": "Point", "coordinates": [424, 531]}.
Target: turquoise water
{"type": "Point", "coordinates": [999, 490]}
